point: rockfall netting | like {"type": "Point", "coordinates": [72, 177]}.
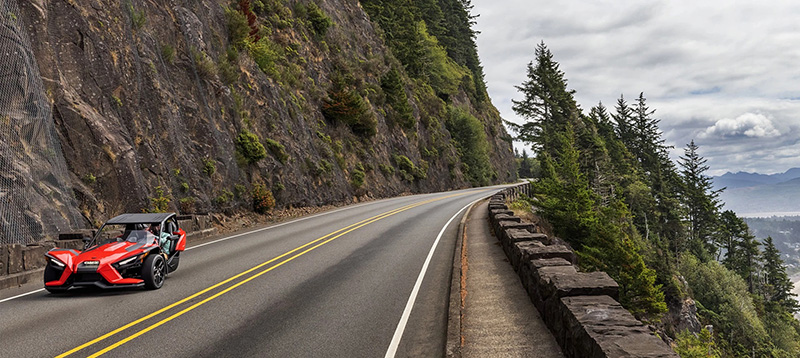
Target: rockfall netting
{"type": "Point", "coordinates": [36, 200]}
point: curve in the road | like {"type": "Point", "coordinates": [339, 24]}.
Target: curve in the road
{"type": "Point", "coordinates": [316, 243]}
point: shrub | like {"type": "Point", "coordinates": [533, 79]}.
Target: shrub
{"type": "Point", "coordinates": [160, 203]}
{"type": "Point", "coordinates": [320, 22]}
{"type": "Point", "coordinates": [239, 191]}
{"type": "Point", "coordinates": [264, 52]}
{"type": "Point", "coordinates": [722, 296]}
{"type": "Point", "coordinates": [168, 53]}
{"type": "Point", "coordinates": [138, 18]}
{"type": "Point", "coordinates": [386, 169]}
{"type": "Point", "coordinates": [403, 163]}
{"type": "Point", "coordinates": [277, 150]}
{"type": "Point", "coordinates": [89, 179]}
{"type": "Point", "coordinates": [392, 85]}
{"type": "Point", "coordinates": [224, 197]}
{"type": "Point", "coordinates": [238, 29]}
{"type": "Point", "coordinates": [184, 187]}
{"type": "Point", "coordinates": [408, 170]}
{"type": "Point", "coordinates": [348, 107]}
{"type": "Point", "coordinates": [357, 178]}
{"type": "Point", "coordinates": [205, 66]}
{"type": "Point", "coordinates": [249, 147]}
{"type": "Point", "coordinates": [209, 167]}
{"type": "Point", "coordinates": [263, 201]}
{"type": "Point", "coordinates": [228, 72]}
{"type": "Point", "coordinates": [318, 168]}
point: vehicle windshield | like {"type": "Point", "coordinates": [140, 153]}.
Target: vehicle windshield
{"type": "Point", "coordinates": [135, 233]}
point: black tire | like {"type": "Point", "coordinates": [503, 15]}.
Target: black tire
{"type": "Point", "coordinates": [173, 265]}
{"type": "Point", "coordinates": [154, 271]}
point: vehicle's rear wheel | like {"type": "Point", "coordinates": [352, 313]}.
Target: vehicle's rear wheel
{"type": "Point", "coordinates": [154, 271]}
{"type": "Point", "coordinates": [173, 264]}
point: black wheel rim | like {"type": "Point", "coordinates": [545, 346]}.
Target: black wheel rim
{"type": "Point", "coordinates": [158, 272]}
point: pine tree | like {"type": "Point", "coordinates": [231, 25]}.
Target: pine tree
{"type": "Point", "coordinates": [563, 191]}
{"type": "Point", "coordinates": [624, 118]}
{"type": "Point", "coordinates": [778, 286]}
{"type": "Point", "coordinates": [547, 104]}
{"type": "Point", "coordinates": [525, 166]}
{"type": "Point", "coordinates": [746, 261]}
{"type": "Point", "coordinates": [701, 201]}
{"type": "Point", "coordinates": [731, 232]}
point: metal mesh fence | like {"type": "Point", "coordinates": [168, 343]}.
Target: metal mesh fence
{"type": "Point", "coordinates": [36, 200]}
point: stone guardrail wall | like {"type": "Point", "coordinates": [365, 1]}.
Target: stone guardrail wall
{"type": "Point", "coordinates": [21, 263]}
{"type": "Point", "coordinates": [579, 308]}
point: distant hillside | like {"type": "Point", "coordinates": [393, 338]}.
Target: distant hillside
{"type": "Point", "coordinates": [752, 193]}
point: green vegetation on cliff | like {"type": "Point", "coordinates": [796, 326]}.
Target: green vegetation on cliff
{"type": "Point", "coordinates": [607, 186]}
{"type": "Point", "coordinates": [240, 96]}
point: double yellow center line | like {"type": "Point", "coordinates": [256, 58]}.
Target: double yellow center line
{"type": "Point", "coordinates": [293, 254]}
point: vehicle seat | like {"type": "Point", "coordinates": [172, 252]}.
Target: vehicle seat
{"type": "Point", "coordinates": [170, 227]}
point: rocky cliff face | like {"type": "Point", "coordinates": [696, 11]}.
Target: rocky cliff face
{"type": "Point", "coordinates": [157, 106]}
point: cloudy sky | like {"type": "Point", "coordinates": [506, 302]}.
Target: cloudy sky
{"type": "Point", "coordinates": [724, 73]}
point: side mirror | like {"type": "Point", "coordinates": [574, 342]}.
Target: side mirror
{"type": "Point", "coordinates": [86, 241]}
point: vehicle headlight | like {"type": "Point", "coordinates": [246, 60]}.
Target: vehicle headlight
{"type": "Point", "coordinates": [56, 262]}
{"type": "Point", "coordinates": [127, 262]}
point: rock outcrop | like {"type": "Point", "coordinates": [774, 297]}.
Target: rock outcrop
{"type": "Point", "coordinates": [149, 101]}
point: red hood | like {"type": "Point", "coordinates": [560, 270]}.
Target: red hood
{"type": "Point", "coordinates": [112, 252]}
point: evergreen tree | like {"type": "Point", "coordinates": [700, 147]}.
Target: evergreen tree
{"type": "Point", "coordinates": [731, 232]}
{"type": "Point", "coordinates": [563, 191]}
{"type": "Point", "coordinates": [525, 166]}
{"type": "Point", "coordinates": [746, 261]}
{"type": "Point", "coordinates": [571, 196]}
{"type": "Point", "coordinates": [701, 202]}
{"type": "Point", "coordinates": [547, 104]}
{"type": "Point", "coordinates": [778, 286]}
{"type": "Point", "coordinates": [623, 119]}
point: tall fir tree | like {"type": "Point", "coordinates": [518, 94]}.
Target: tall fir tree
{"type": "Point", "coordinates": [547, 104]}
{"type": "Point", "coordinates": [778, 287]}
{"type": "Point", "coordinates": [701, 201]}
{"type": "Point", "coordinates": [732, 230]}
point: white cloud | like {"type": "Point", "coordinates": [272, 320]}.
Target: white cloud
{"type": "Point", "coordinates": [723, 73]}
{"type": "Point", "coordinates": [748, 125]}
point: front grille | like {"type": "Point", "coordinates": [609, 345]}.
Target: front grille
{"type": "Point", "coordinates": [87, 277]}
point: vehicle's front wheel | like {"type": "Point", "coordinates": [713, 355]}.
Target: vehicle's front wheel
{"type": "Point", "coordinates": [154, 271]}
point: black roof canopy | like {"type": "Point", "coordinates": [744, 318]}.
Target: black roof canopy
{"type": "Point", "coordinates": [140, 218]}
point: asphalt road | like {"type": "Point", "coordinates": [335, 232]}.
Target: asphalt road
{"type": "Point", "coordinates": [334, 284]}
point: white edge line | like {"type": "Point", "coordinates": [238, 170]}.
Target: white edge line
{"type": "Point", "coordinates": [21, 295]}
{"type": "Point", "coordinates": [401, 326]}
